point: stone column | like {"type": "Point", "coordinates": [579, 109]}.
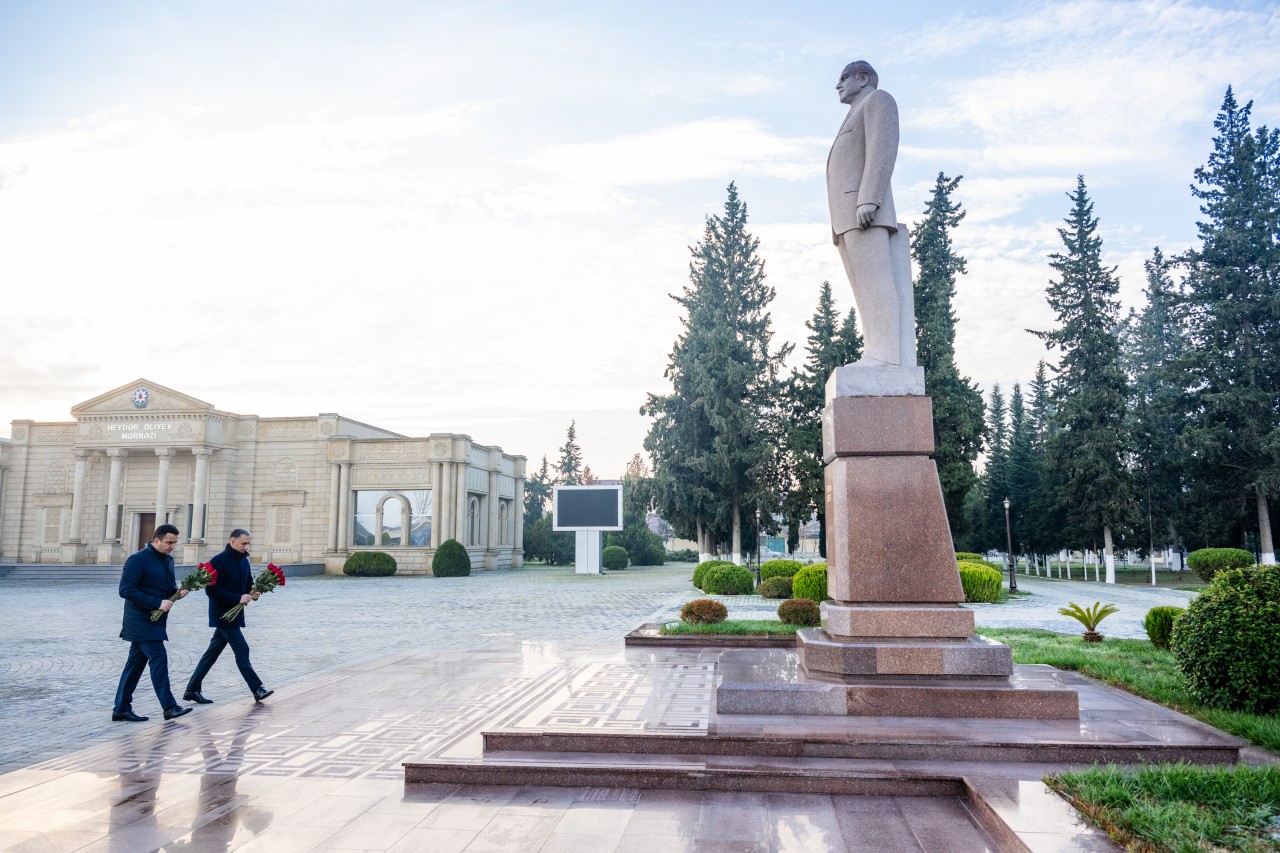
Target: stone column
{"type": "Point", "coordinates": [335, 485]}
{"type": "Point", "coordinates": [162, 485]}
{"type": "Point", "coordinates": [113, 494]}
{"type": "Point", "coordinates": [199, 497]}
{"type": "Point", "coordinates": [344, 507]}
{"type": "Point", "coordinates": [437, 504]}
{"type": "Point", "coordinates": [445, 513]}
{"type": "Point", "coordinates": [491, 502]}
{"type": "Point", "coordinates": [4, 470]}
{"type": "Point", "coordinates": [517, 558]}
{"type": "Point", "coordinates": [460, 518]}
{"type": "Point", "coordinates": [77, 497]}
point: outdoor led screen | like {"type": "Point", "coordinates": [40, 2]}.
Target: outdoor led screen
{"type": "Point", "coordinates": [586, 508]}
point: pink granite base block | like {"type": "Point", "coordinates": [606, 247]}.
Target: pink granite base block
{"type": "Point", "coordinates": [973, 656]}
{"type": "Point", "coordinates": [936, 621]}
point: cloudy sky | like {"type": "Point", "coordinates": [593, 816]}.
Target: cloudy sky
{"type": "Point", "coordinates": [468, 216]}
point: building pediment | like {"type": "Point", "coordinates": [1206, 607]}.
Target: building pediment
{"type": "Point", "coordinates": [140, 397]}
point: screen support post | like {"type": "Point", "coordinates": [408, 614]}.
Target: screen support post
{"type": "Point", "coordinates": [586, 552]}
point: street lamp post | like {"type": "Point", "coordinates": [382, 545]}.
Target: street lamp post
{"type": "Point", "coordinates": [1008, 533]}
{"type": "Point", "coordinates": [757, 545]}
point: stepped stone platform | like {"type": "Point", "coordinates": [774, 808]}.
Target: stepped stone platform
{"type": "Point", "coordinates": [111, 574]}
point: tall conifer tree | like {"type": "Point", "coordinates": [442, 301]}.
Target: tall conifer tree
{"type": "Point", "coordinates": [711, 441]}
{"type": "Point", "coordinates": [1091, 393]}
{"type": "Point", "coordinates": [957, 403]}
{"type": "Point", "coordinates": [569, 467]}
{"type": "Point", "coordinates": [1233, 360]}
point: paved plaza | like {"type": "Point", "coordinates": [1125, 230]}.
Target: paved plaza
{"type": "Point", "coordinates": [370, 673]}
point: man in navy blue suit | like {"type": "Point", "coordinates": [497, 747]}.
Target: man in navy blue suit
{"type": "Point", "coordinates": [234, 586]}
{"type": "Point", "coordinates": [146, 584]}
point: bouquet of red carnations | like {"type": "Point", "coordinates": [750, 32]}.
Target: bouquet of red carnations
{"type": "Point", "coordinates": [204, 575]}
{"type": "Point", "coordinates": [266, 581]}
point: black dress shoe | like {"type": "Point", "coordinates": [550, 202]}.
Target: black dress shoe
{"type": "Point", "coordinates": [127, 717]}
{"type": "Point", "coordinates": [197, 697]}
{"type": "Point", "coordinates": [175, 712]}
{"type": "Point", "coordinates": [261, 693]}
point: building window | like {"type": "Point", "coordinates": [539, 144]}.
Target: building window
{"type": "Point", "coordinates": [502, 522]}
{"type": "Point", "coordinates": [381, 516]}
{"type": "Point", "coordinates": [473, 522]}
{"type": "Point", "coordinates": [285, 476]}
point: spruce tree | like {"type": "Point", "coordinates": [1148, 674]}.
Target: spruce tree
{"type": "Point", "coordinates": [1045, 528]}
{"type": "Point", "coordinates": [1154, 347]}
{"type": "Point", "coordinates": [569, 467]}
{"type": "Point", "coordinates": [1233, 358]}
{"type": "Point", "coordinates": [957, 403]}
{"type": "Point", "coordinates": [713, 442]}
{"type": "Point", "coordinates": [1022, 479]}
{"type": "Point", "coordinates": [830, 344]}
{"type": "Point", "coordinates": [995, 478]}
{"type": "Point", "coordinates": [537, 492]}
{"type": "Point", "coordinates": [1091, 393]}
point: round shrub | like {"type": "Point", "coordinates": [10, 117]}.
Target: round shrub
{"type": "Point", "coordinates": [614, 557]}
{"type": "Point", "coordinates": [683, 555]}
{"type": "Point", "coordinates": [1226, 643]}
{"type": "Point", "coordinates": [369, 564]}
{"type": "Point", "coordinates": [451, 560]}
{"type": "Point", "coordinates": [980, 582]}
{"type": "Point", "coordinates": [774, 587]}
{"type": "Point", "coordinates": [800, 611]}
{"type": "Point", "coordinates": [1207, 562]}
{"type": "Point", "coordinates": [700, 573]}
{"type": "Point", "coordinates": [1159, 624]}
{"type": "Point", "coordinates": [704, 611]}
{"type": "Point", "coordinates": [651, 555]}
{"type": "Point", "coordinates": [727, 580]}
{"type": "Point", "coordinates": [780, 569]}
{"type": "Point", "coordinates": [811, 583]}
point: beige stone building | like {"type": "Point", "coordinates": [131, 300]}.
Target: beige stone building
{"type": "Point", "coordinates": [312, 489]}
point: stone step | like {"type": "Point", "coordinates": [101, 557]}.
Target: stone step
{"type": "Point", "coordinates": [1015, 749]}
{"type": "Point", "coordinates": [680, 773]}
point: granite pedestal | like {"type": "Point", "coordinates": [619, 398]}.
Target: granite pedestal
{"type": "Point", "coordinates": [894, 640]}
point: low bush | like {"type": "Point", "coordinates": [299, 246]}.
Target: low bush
{"type": "Point", "coordinates": [704, 611]}
{"type": "Point", "coordinates": [811, 583]}
{"type": "Point", "coordinates": [780, 569]}
{"type": "Point", "coordinates": [651, 555]}
{"type": "Point", "coordinates": [451, 560]}
{"type": "Point", "coordinates": [1207, 562]}
{"type": "Point", "coordinates": [369, 564]}
{"type": "Point", "coordinates": [1159, 624]}
{"type": "Point", "coordinates": [1226, 643]}
{"type": "Point", "coordinates": [980, 582]}
{"type": "Point", "coordinates": [683, 555]}
{"type": "Point", "coordinates": [774, 587]}
{"type": "Point", "coordinates": [614, 557]}
{"type": "Point", "coordinates": [800, 611]}
{"type": "Point", "coordinates": [727, 579]}
{"type": "Point", "coordinates": [700, 572]}
{"type": "Point", "coordinates": [969, 557]}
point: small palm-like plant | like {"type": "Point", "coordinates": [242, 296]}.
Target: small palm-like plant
{"type": "Point", "coordinates": [1089, 617]}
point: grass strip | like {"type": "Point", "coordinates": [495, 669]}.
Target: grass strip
{"type": "Point", "coordinates": [767, 627]}
{"type": "Point", "coordinates": [1179, 807]}
{"type": "Point", "coordinates": [1138, 667]}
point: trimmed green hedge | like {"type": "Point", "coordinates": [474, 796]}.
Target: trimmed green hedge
{"type": "Point", "coordinates": [1207, 562]}
{"type": "Point", "coordinates": [780, 569]}
{"type": "Point", "coordinates": [980, 582]}
{"type": "Point", "coordinates": [651, 555]}
{"type": "Point", "coordinates": [969, 557]}
{"type": "Point", "coordinates": [614, 557]}
{"type": "Point", "coordinates": [1227, 644]}
{"type": "Point", "coordinates": [728, 580]}
{"type": "Point", "coordinates": [700, 573]}
{"type": "Point", "coordinates": [1159, 624]}
{"type": "Point", "coordinates": [811, 583]}
{"type": "Point", "coordinates": [451, 560]}
{"type": "Point", "coordinates": [775, 587]}
{"type": "Point", "coordinates": [369, 564]}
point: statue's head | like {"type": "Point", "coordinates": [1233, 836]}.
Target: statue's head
{"type": "Point", "coordinates": [855, 77]}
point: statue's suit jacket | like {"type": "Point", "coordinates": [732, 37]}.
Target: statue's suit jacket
{"type": "Point", "coordinates": [861, 163]}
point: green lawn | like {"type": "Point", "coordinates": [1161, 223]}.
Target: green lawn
{"type": "Point", "coordinates": [1138, 667]}
{"type": "Point", "coordinates": [733, 626]}
{"type": "Point", "coordinates": [1180, 807]}
{"type": "Point", "coordinates": [1130, 575]}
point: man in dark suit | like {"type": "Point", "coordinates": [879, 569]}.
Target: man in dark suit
{"type": "Point", "coordinates": [234, 586]}
{"type": "Point", "coordinates": [146, 584]}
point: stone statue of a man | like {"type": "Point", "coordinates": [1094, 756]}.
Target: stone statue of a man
{"type": "Point", "coordinates": [864, 224]}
